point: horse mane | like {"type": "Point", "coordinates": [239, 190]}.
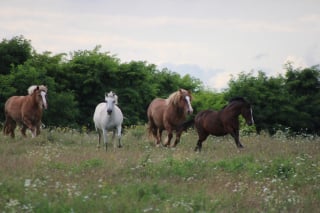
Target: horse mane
{"type": "Point", "coordinates": [174, 97]}
{"type": "Point", "coordinates": [237, 99]}
{"type": "Point", "coordinates": [33, 87]}
{"type": "Point", "coordinates": [112, 95]}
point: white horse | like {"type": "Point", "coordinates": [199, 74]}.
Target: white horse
{"type": "Point", "coordinates": [108, 116]}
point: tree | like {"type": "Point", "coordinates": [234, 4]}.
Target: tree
{"type": "Point", "coordinates": [205, 99]}
{"type": "Point", "coordinates": [267, 96]}
{"type": "Point", "coordinates": [304, 89]}
{"type": "Point", "coordinates": [14, 52]}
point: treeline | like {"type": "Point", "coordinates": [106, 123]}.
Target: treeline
{"type": "Point", "coordinates": [77, 82]}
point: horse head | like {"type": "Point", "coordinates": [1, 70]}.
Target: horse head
{"type": "Point", "coordinates": [111, 99]}
{"type": "Point", "coordinates": [185, 100]}
{"type": "Point", "coordinates": [246, 112]}
{"type": "Point", "coordinates": [40, 93]}
{"type": "Point", "coordinates": [182, 100]}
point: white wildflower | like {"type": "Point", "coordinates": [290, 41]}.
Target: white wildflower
{"type": "Point", "coordinates": [27, 182]}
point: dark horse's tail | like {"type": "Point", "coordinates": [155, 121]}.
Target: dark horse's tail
{"type": "Point", "coordinates": [185, 125]}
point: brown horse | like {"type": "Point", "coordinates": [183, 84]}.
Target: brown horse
{"type": "Point", "coordinates": [167, 114]}
{"type": "Point", "coordinates": [26, 111]}
{"type": "Point", "coordinates": [221, 122]}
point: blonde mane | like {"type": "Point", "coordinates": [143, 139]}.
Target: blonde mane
{"type": "Point", "coordinates": [175, 97]}
{"type": "Point", "coordinates": [33, 87]}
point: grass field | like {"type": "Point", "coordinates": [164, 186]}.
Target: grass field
{"type": "Point", "coordinates": [63, 171]}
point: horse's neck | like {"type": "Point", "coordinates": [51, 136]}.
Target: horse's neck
{"type": "Point", "coordinates": [34, 102]}
{"type": "Point", "coordinates": [178, 110]}
{"type": "Point", "coordinates": [233, 110]}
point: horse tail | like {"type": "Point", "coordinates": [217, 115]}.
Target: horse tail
{"type": "Point", "coordinates": [6, 128]}
{"type": "Point", "coordinates": [185, 125]}
{"type": "Point", "coordinates": [151, 128]}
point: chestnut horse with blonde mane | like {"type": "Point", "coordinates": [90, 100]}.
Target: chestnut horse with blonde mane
{"type": "Point", "coordinates": [26, 111]}
{"type": "Point", "coordinates": [168, 114]}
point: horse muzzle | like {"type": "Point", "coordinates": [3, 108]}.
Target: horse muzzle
{"type": "Point", "coordinates": [109, 112]}
{"type": "Point", "coordinates": [45, 106]}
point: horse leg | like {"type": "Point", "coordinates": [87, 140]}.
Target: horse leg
{"type": "Point", "coordinates": [155, 133]}
{"type": "Point", "coordinates": [119, 136]}
{"type": "Point", "coordinates": [235, 135]}
{"type": "Point", "coordinates": [9, 127]}
{"type": "Point", "coordinates": [178, 135]}
{"type": "Point", "coordinates": [105, 138]}
{"type": "Point", "coordinates": [159, 135]}
{"type": "Point", "coordinates": [33, 131]}
{"type": "Point", "coordinates": [6, 127]}
{"type": "Point", "coordinates": [99, 138]}
{"type": "Point", "coordinates": [38, 128]}
{"type": "Point", "coordinates": [202, 137]}
{"type": "Point", "coordinates": [154, 130]}
{"type": "Point", "coordinates": [23, 130]}
{"type": "Point", "coordinates": [27, 123]}
{"type": "Point", "coordinates": [168, 139]}
{"type": "Point", "coordinates": [112, 139]}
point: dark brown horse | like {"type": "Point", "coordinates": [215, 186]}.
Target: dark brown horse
{"type": "Point", "coordinates": [167, 114]}
{"type": "Point", "coordinates": [219, 123]}
{"type": "Point", "coordinates": [26, 111]}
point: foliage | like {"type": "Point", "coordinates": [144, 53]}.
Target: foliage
{"type": "Point", "coordinates": [282, 102]}
{"type": "Point", "coordinates": [14, 52]}
{"type": "Point", "coordinates": [77, 83]}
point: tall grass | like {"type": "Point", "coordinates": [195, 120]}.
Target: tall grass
{"type": "Point", "coordinates": [63, 171]}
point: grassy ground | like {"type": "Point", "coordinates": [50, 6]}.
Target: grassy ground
{"type": "Point", "coordinates": [63, 171]}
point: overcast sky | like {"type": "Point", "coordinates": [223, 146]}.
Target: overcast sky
{"type": "Point", "coordinates": [208, 39]}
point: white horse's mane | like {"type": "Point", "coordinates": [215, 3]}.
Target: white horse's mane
{"type": "Point", "coordinates": [112, 94]}
{"type": "Point", "coordinates": [33, 87]}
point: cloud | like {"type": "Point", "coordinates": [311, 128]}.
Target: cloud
{"type": "Point", "coordinates": [260, 56]}
{"type": "Point", "coordinates": [296, 61]}
{"type": "Point", "coordinates": [216, 79]}
{"type": "Point", "coordinates": [207, 40]}
{"type": "Point", "coordinates": [312, 56]}
{"type": "Point", "coordinates": [219, 81]}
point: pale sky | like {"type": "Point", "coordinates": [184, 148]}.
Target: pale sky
{"type": "Point", "coordinates": [208, 39]}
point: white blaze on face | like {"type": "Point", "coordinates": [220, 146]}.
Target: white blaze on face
{"type": "Point", "coordinates": [110, 101]}
{"type": "Point", "coordinates": [44, 100]}
{"type": "Point", "coordinates": [251, 116]}
{"type": "Point", "coordinates": [190, 110]}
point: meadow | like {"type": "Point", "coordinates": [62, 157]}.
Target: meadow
{"type": "Point", "coordinates": [62, 170]}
